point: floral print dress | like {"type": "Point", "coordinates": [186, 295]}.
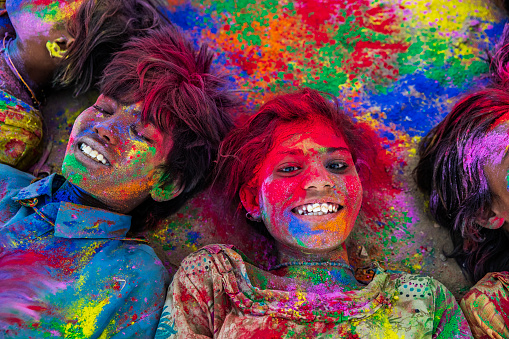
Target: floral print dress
{"type": "Point", "coordinates": [211, 296]}
{"type": "Point", "coordinates": [486, 306]}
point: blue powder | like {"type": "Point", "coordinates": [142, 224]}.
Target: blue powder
{"type": "Point", "coordinates": [413, 113]}
{"type": "Point", "coordinates": [192, 237]}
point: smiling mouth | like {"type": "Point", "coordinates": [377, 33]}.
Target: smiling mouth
{"type": "Point", "coordinates": [317, 209]}
{"type": "Point", "coordinates": [93, 154]}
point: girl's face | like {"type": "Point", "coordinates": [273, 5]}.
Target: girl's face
{"type": "Point", "coordinates": [307, 190]}
{"type": "Point", "coordinates": [114, 156]}
{"type": "Point", "coordinates": [496, 170]}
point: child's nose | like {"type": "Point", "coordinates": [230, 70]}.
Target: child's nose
{"type": "Point", "coordinates": [317, 178]}
{"type": "Point", "coordinates": [108, 131]}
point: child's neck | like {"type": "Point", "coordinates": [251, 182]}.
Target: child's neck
{"type": "Point", "coordinates": [71, 193]}
{"type": "Point", "coordinates": [319, 272]}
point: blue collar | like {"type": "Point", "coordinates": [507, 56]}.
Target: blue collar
{"type": "Point", "coordinates": [78, 221]}
{"type": "Point", "coordinates": [72, 220]}
{"type": "Point", "coordinates": [37, 189]}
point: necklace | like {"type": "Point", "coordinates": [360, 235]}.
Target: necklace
{"type": "Point", "coordinates": [313, 263]}
{"type": "Point", "coordinates": [36, 102]}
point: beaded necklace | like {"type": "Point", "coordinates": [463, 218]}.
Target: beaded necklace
{"type": "Point", "coordinates": [36, 102]}
{"type": "Point", "coordinates": [313, 263]}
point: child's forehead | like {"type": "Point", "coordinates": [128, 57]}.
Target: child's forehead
{"type": "Point", "coordinates": [49, 10]}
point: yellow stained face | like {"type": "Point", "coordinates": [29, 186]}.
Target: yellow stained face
{"type": "Point", "coordinates": [113, 155]}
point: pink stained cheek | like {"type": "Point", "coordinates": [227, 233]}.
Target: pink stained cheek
{"type": "Point", "coordinates": [353, 186]}
{"type": "Point", "coordinates": [70, 143]}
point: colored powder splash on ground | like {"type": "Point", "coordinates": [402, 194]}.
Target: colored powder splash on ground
{"type": "Point", "coordinates": [397, 65]}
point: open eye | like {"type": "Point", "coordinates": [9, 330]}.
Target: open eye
{"type": "Point", "coordinates": [102, 110]}
{"type": "Point", "coordinates": [288, 169]}
{"type": "Point", "coordinates": [337, 166]}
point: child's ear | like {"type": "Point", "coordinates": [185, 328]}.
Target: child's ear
{"type": "Point", "coordinates": [164, 191]}
{"type": "Point", "coordinates": [493, 220]}
{"type": "Point", "coordinates": [249, 198]}
{"type": "Point", "coordinates": [58, 47]}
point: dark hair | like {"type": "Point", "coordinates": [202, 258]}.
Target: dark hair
{"type": "Point", "coordinates": [450, 172]}
{"type": "Point", "coordinates": [181, 95]}
{"type": "Point", "coordinates": [100, 28]}
{"type": "Point", "coordinates": [247, 146]}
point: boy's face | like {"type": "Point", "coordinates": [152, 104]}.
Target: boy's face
{"type": "Point", "coordinates": [114, 156]}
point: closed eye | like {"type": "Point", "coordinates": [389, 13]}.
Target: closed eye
{"type": "Point", "coordinates": [102, 110]}
{"type": "Point", "coordinates": [140, 135]}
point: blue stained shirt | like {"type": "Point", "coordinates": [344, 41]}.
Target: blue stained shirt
{"type": "Point", "coordinates": [84, 278]}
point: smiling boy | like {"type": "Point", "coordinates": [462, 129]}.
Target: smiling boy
{"type": "Point", "coordinates": [140, 152]}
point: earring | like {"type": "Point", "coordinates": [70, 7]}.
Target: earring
{"type": "Point", "coordinates": [54, 50]}
{"type": "Point", "coordinates": [250, 217]}
{"type": "Point", "coordinates": [495, 223]}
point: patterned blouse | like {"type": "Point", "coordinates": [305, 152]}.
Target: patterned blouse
{"type": "Point", "coordinates": [486, 306]}
{"type": "Point", "coordinates": [211, 296]}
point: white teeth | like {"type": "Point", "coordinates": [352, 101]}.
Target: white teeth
{"type": "Point", "coordinates": [92, 153]}
{"type": "Point", "coordinates": [317, 209]}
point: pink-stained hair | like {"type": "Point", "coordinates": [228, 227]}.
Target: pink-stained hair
{"type": "Point", "coordinates": [182, 95]}
{"type": "Point", "coordinates": [246, 147]}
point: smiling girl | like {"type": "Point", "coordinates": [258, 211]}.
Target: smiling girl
{"type": "Point", "coordinates": [298, 167]}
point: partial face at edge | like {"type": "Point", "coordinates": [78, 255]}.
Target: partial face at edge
{"type": "Point", "coordinates": [40, 21]}
{"type": "Point", "coordinates": [496, 170]}
{"type": "Point", "coordinates": [114, 156]}
{"type": "Point", "coordinates": [309, 192]}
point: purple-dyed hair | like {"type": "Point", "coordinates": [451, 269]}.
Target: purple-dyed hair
{"type": "Point", "coordinates": [181, 95]}
{"type": "Point", "coordinates": [451, 173]}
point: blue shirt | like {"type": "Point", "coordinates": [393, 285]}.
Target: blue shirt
{"type": "Point", "coordinates": [83, 278]}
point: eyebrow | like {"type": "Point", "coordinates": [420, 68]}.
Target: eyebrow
{"type": "Point", "coordinates": [328, 150]}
